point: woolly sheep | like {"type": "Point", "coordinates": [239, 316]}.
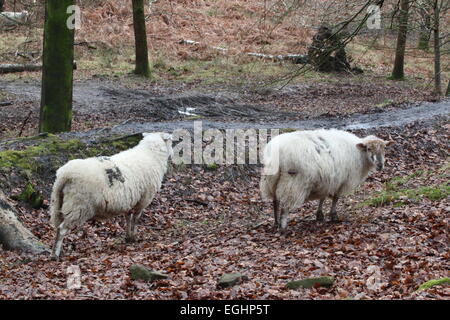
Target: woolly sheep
{"type": "Point", "coordinates": [104, 187]}
{"type": "Point", "coordinates": [307, 165]}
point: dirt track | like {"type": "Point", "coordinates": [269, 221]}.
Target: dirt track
{"type": "Point", "coordinates": [100, 104]}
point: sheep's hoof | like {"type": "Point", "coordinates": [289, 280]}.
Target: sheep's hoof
{"type": "Point", "coordinates": [130, 239]}
{"type": "Point", "coordinates": [54, 257]}
{"type": "Point", "coordinates": [319, 217]}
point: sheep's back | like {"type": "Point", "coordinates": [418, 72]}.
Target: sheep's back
{"type": "Point", "coordinates": [327, 161]}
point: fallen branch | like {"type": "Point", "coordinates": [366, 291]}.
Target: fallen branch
{"type": "Point", "coordinates": [11, 68]}
{"type": "Point", "coordinates": [295, 58]}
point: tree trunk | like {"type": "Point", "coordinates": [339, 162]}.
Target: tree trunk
{"type": "Point", "coordinates": [447, 93]}
{"type": "Point", "coordinates": [13, 235]}
{"type": "Point", "coordinates": [398, 72]}
{"type": "Point", "coordinates": [2, 5]}
{"type": "Point", "coordinates": [437, 50]}
{"type": "Point", "coordinates": [57, 70]}
{"type": "Point", "coordinates": [425, 32]}
{"type": "Point", "coordinates": [140, 36]}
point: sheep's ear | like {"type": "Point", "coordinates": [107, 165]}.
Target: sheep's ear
{"type": "Point", "coordinates": [361, 146]}
{"type": "Point", "coordinates": [388, 143]}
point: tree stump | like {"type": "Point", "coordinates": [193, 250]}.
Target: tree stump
{"type": "Point", "coordinates": [327, 51]}
{"type": "Point", "coordinates": [13, 235]}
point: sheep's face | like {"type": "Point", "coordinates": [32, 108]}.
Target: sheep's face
{"type": "Point", "coordinates": [161, 139]}
{"type": "Point", "coordinates": [375, 151]}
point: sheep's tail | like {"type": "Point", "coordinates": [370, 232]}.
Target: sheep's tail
{"type": "Point", "coordinates": [56, 202]}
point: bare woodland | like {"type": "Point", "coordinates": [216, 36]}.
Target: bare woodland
{"type": "Point", "coordinates": [157, 66]}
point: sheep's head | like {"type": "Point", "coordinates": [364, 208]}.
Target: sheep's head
{"type": "Point", "coordinates": [161, 139]}
{"type": "Point", "coordinates": [374, 148]}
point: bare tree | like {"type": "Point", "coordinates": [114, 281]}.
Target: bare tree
{"type": "Point", "coordinates": [425, 17]}
{"type": "Point", "coordinates": [57, 68]}
{"type": "Point", "coordinates": [140, 36]}
{"type": "Point", "coordinates": [437, 46]}
{"type": "Point", "coordinates": [398, 72]}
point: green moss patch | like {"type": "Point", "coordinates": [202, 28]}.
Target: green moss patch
{"type": "Point", "coordinates": [432, 283]}
{"type": "Point", "coordinates": [385, 197]}
{"type": "Point", "coordinates": [38, 158]}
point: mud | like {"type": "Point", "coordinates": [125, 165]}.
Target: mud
{"type": "Point", "coordinates": [116, 109]}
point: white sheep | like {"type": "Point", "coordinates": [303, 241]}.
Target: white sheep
{"type": "Point", "coordinates": [103, 187]}
{"type": "Point", "coordinates": [13, 18]}
{"type": "Point", "coordinates": [307, 165]}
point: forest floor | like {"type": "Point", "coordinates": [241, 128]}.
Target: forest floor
{"type": "Point", "coordinates": [207, 221]}
{"type": "Point", "coordinates": [210, 220]}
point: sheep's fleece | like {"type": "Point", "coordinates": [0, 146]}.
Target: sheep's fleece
{"type": "Point", "coordinates": [307, 165]}
{"type": "Point", "coordinates": [102, 187]}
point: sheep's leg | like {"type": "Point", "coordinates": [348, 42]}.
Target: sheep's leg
{"type": "Point", "coordinates": [276, 210]}
{"type": "Point", "coordinates": [136, 221]}
{"type": "Point", "coordinates": [137, 213]}
{"type": "Point", "coordinates": [130, 227]}
{"type": "Point", "coordinates": [284, 216]}
{"type": "Point", "coordinates": [319, 213]}
{"type": "Point", "coordinates": [61, 232]}
{"type": "Point", "coordinates": [333, 213]}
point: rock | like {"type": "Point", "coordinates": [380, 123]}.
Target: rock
{"type": "Point", "coordinates": [139, 272]}
{"type": "Point", "coordinates": [230, 279]}
{"type": "Point", "coordinates": [311, 282]}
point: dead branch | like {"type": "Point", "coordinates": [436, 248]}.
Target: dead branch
{"type": "Point", "coordinates": [11, 68]}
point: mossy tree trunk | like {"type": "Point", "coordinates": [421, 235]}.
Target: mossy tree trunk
{"type": "Point", "coordinates": [57, 69]}
{"type": "Point", "coordinates": [140, 36]}
{"type": "Point", "coordinates": [398, 72]}
{"type": "Point", "coordinates": [447, 93]}
{"type": "Point", "coordinates": [13, 235]}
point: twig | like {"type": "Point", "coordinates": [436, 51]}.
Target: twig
{"type": "Point", "coordinates": [25, 122]}
{"type": "Point", "coordinates": [197, 201]}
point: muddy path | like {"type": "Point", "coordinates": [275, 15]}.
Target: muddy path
{"type": "Point", "coordinates": [394, 118]}
{"type": "Point", "coordinates": [110, 107]}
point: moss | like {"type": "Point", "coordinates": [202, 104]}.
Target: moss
{"type": "Point", "coordinates": [139, 272]}
{"type": "Point", "coordinates": [25, 159]}
{"type": "Point", "coordinates": [385, 197]}
{"type": "Point", "coordinates": [30, 196]}
{"type": "Point", "coordinates": [43, 155]}
{"type": "Point", "coordinates": [385, 103]}
{"type": "Point", "coordinates": [432, 283]}
{"type": "Point", "coordinates": [212, 166]}
{"type": "Point", "coordinates": [287, 130]}
{"type": "Point", "coordinates": [311, 282]}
